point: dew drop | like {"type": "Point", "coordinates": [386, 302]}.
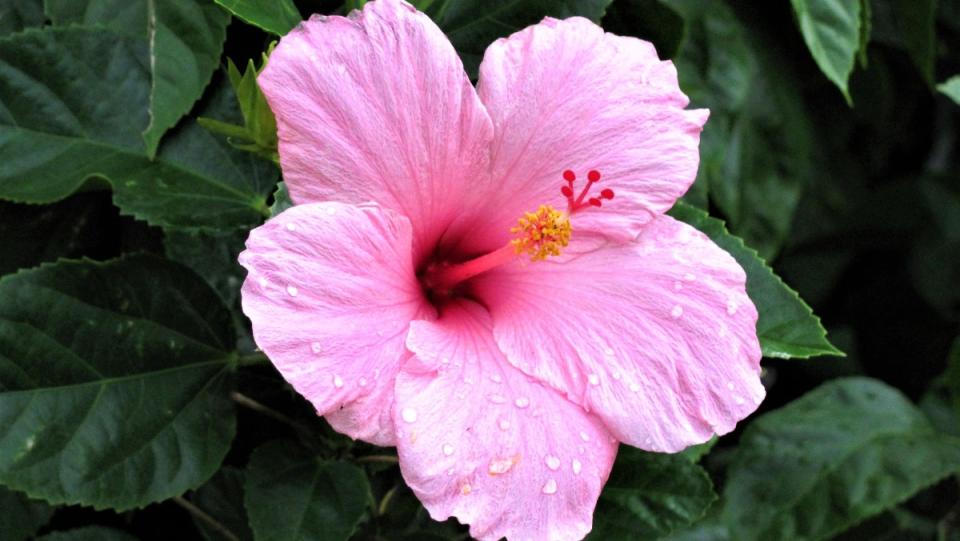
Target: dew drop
{"type": "Point", "coordinates": [496, 378]}
{"type": "Point", "coordinates": [503, 424]}
{"type": "Point", "coordinates": [730, 385]}
{"type": "Point", "coordinates": [409, 415]}
{"type": "Point", "coordinates": [495, 398]}
{"type": "Point", "coordinates": [445, 360]}
{"type": "Point", "coordinates": [731, 307]}
{"type": "Point", "coordinates": [593, 379]}
{"type": "Point", "coordinates": [522, 402]}
{"type": "Point", "coordinates": [584, 436]}
{"type": "Point", "coordinates": [676, 312]}
{"type": "Point", "coordinates": [363, 382]}
{"type": "Point", "coordinates": [447, 449]}
{"type": "Point", "coordinates": [635, 387]}
{"type": "Point", "coordinates": [263, 282]}
{"type": "Point", "coordinates": [501, 465]}
{"type": "Point", "coordinates": [677, 286]}
{"type": "Point", "coordinates": [616, 376]}
{"type": "Point", "coordinates": [648, 441]}
{"type": "Point", "coordinates": [550, 487]}
{"type": "Point", "coordinates": [577, 466]}
{"type": "Point", "coordinates": [331, 211]}
{"type": "Point", "coordinates": [739, 400]}
{"type": "Point", "coordinates": [291, 227]}
{"type": "Point", "coordinates": [609, 352]}
{"type": "Point", "coordinates": [689, 277]}
{"type": "Point", "coordinates": [337, 381]}
{"type": "Point", "coordinates": [450, 471]}
{"type": "Point", "coordinates": [316, 348]}
{"type": "Point", "coordinates": [552, 462]}
{"type": "Point", "coordinates": [292, 291]}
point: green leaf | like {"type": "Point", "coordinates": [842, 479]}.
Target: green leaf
{"type": "Point", "coordinates": [77, 116]}
{"type": "Point", "coordinates": [185, 40]}
{"type": "Point", "coordinates": [15, 15]}
{"type": "Point", "coordinates": [649, 495]}
{"type": "Point", "coordinates": [222, 499]}
{"type": "Point", "coordinates": [838, 455]}
{"type": "Point", "coordinates": [30, 235]}
{"type": "Point", "coordinates": [113, 382]}
{"type": "Point", "coordinates": [88, 533]}
{"type": "Point", "coordinates": [916, 21]}
{"type": "Point", "coordinates": [786, 327]}
{"type": "Point", "coordinates": [213, 257]}
{"type": "Point", "coordinates": [866, 27]}
{"type": "Point", "coordinates": [276, 16]}
{"type": "Point", "coordinates": [472, 25]}
{"type": "Point", "coordinates": [651, 20]}
{"type": "Point", "coordinates": [258, 134]}
{"type": "Point", "coordinates": [951, 88]}
{"type": "Point", "coordinates": [21, 516]}
{"type": "Point", "coordinates": [293, 495]}
{"type": "Point", "coordinates": [941, 402]}
{"type": "Point", "coordinates": [831, 29]}
{"type": "Point", "coordinates": [281, 199]}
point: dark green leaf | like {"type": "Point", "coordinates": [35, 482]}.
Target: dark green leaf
{"type": "Point", "coordinates": [472, 25]}
{"type": "Point", "coordinates": [651, 20]}
{"type": "Point", "coordinates": [213, 257]}
{"type": "Point", "coordinates": [185, 39]}
{"type": "Point", "coordinates": [276, 16]}
{"type": "Point", "coordinates": [951, 88]}
{"type": "Point", "coordinates": [842, 453]}
{"type": "Point", "coordinates": [941, 402]}
{"type": "Point", "coordinates": [649, 495]}
{"type": "Point", "coordinates": [222, 499]}
{"type": "Point", "coordinates": [866, 26]}
{"type": "Point", "coordinates": [15, 15]}
{"type": "Point", "coordinates": [77, 116]}
{"type": "Point", "coordinates": [293, 495]}
{"type": "Point", "coordinates": [88, 533]}
{"type": "Point", "coordinates": [787, 327]}
{"type": "Point", "coordinates": [113, 382]}
{"type": "Point", "coordinates": [281, 199]}
{"type": "Point", "coordinates": [831, 29]}
{"type": "Point", "coordinates": [31, 234]}
{"type": "Point", "coordinates": [21, 517]}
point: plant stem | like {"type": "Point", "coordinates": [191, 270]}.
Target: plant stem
{"type": "Point", "coordinates": [202, 516]}
{"type": "Point", "coordinates": [384, 459]}
{"type": "Point", "coordinates": [252, 359]}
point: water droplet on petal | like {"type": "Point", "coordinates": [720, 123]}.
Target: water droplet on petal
{"type": "Point", "coordinates": [522, 402]}
{"type": "Point", "coordinates": [730, 385]}
{"type": "Point", "coordinates": [409, 415]}
{"type": "Point", "coordinates": [689, 277]}
{"type": "Point", "coordinates": [447, 449]}
{"type": "Point", "coordinates": [363, 382]}
{"type": "Point", "coordinates": [450, 471]}
{"type": "Point", "coordinates": [495, 378]}
{"type": "Point", "coordinates": [497, 399]}
{"type": "Point", "coordinates": [584, 436]}
{"type": "Point", "coordinates": [593, 379]}
{"type": "Point", "coordinates": [331, 211]}
{"type": "Point", "coordinates": [577, 466]}
{"type": "Point", "coordinates": [635, 387]}
{"type": "Point", "coordinates": [739, 400]}
{"type": "Point", "coordinates": [616, 376]}
{"type": "Point", "coordinates": [550, 487]}
{"type": "Point", "coordinates": [676, 312]}
{"type": "Point", "coordinates": [502, 465]}
{"type": "Point", "coordinates": [677, 286]}
{"type": "Point", "coordinates": [503, 424]}
{"type": "Point", "coordinates": [552, 462]}
{"type": "Point", "coordinates": [291, 227]}
{"type": "Point", "coordinates": [263, 282]}
{"type": "Point", "coordinates": [731, 307]}
{"type": "Point", "coordinates": [337, 381]}
{"type": "Point", "coordinates": [445, 360]}
{"type": "Point", "coordinates": [292, 291]}
{"type": "Point", "coordinates": [316, 348]}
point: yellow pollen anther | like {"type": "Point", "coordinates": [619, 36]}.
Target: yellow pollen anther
{"type": "Point", "coordinates": [542, 233]}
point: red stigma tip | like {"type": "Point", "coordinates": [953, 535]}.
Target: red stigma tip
{"type": "Point", "coordinates": [593, 175]}
{"type": "Point", "coordinates": [569, 176]}
{"type": "Point", "coordinates": [595, 202]}
{"type": "Point", "coordinates": [567, 191]}
{"type": "Point", "coordinates": [607, 193]}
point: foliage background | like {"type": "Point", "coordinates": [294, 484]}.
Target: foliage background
{"type": "Point", "coordinates": [136, 155]}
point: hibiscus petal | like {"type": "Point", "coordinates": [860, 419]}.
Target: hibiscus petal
{"type": "Point", "coordinates": [483, 442]}
{"type": "Point", "coordinates": [657, 337]}
{"type": "Point", "coordinates": [331, 291]}
{"type": "Point", "coordinates": [377, 107]}
{"type": "Point", "coordinates": [565, 95]}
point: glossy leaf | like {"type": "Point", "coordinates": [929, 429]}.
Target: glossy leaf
{"type": "Point", "coordinates": [78, 117]}
{"type": "Point", "coordinates": [787, 327]}
{"type": "Point", "coordinates": [471, 25]}
{"type": "Point", "coordinates": [276, 16]}
{"type": "Point", "coordinates": [21, 517]}
{"type": "Point", "coordinates": [113, 382]}
{"type": "Point", "coordinates": [840, 454]}
{"type": "Point", "coordinates": [185, 39]}
{"type": "Point", "coordinates": [213, 257]}
{"type": "Point", "coordinates": [293, 495]}
{"type": "Point", "coordinates": [831, 29]}
{"type": "Point", "coordinates": [649, 495]}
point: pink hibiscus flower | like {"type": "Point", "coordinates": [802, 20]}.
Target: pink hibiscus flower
{"type": "Point", "coordinates": [459, 281]}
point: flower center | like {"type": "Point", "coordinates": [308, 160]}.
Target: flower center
{"type": "Point", "coordinates": [539, 234]}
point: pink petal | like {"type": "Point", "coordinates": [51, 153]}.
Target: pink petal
{"type": "Point", "coordinates": [331, 291]}
{"type": "Point", "coordinates": [657, 337]}
{"type": "Point", "coordinates": [481, 441]}
{"type": "Point", "coordinates": [377, 107]}
{"type": "Point", "coordinates": [565, 95]}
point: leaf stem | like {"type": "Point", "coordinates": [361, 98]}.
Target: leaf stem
{"type": "Point", "coordinates": [252, 359]}
{"type": "Point", "coordinates": [382, 459]}
{"type": "Point", "coordinates": [252, 404]}
{"type": "Point", "coordinates": [202, 516]}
